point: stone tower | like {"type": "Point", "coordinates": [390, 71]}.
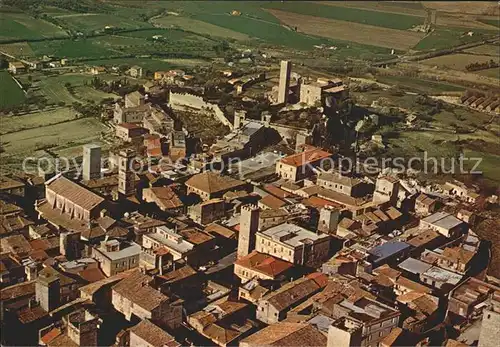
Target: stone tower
{"type": "Point", "coordinates": [47, 291]}
{"type": "Point", "coordinates": [82, 328]}
{"type": "Point", "coordinates": [91, 161]}
{"type": "Point", "coordinates": [284, 86]}
{"type": "Point", "coordinates": [386, 190]}
{"type": "Point", "coordinates": [490, 327]}
{"type": "Point", "coordinates": [239, 118]}
{"type": "Point", "coordinates": [249, 224]}
{"type": "Point", "coordinates": [328, 220]}
{"type": "Point", "coordinates": [126, 176]}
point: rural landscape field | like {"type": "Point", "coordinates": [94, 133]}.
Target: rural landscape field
{"type": "Point", "coordinates": [434, 45]}
{"type": "Point", "coordinates": [249, 173]}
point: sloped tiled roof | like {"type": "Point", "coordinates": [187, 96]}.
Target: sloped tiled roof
{"type": "Point", "coordinates": [153, 334]}
{"type": "Point", "coordinates": [136, 288]}
{"type": "Point", "coordinates": [264, 264]}
{"type": "Point", "coordinates": [212, 182]}
{"type": "Point", "coordinates": [73, 192]}
{"type": "Point", "coordinates": [287, 334]}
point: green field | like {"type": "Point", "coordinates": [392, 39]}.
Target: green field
{"type": "Point", "coordinates": [63, 135]}
{"type": "Point", "coordinates": [10, 93]}
{"type": "Point", "coordinates": [376, 18]}
{"type": "Point", "coordinates": [199, 27]}
{"type": "Point", "coordinates": [419, 85]}
{"type": "Point", "coordinates": [490, 164]}
{"type": "Point", "coordinates": [54, 89]}
{"type": "Point", "coordinates": [22, 26]}
{"type": "Point", "coordinates": [72, 49]}
{"type": "Point", "coordinates": [89, 22]}
{"type": "Point", "coordinates": [494, 72]}
{"type": "Point", "coordinates": [36, 120]}
{"type": "Point", "coordinates": [448, 37]}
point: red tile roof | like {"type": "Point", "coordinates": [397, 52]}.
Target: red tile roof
{"type": "Point", "coordinates": [129, 126]}
{"type": "Point", "coordinates": [52, 334]}
{"type": "Point", "coordinates": [280, 193]}
{"type": "Point", "coordinates": [264, 264]}
{"type": "Point", "coordinates": [272, 202]}
{"type": "Point", "coordinates": [308, 156]}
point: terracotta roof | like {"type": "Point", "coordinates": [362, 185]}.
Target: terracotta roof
{"type": "Point", "coordinates": [195, 236]}
{"type": "Point", "coordinates": [276, 191]}
{"type": "Point", "coordinates": [92, 275]}
{"type": "Point", "coordinates": [264, 264]}
{"type": "Point", "coordinates": [63, 340]}
{"type": "Point", "coordinates": [16, 244]}
{"type": "Point", "coordinates": [9, 183]}
{"type": "Point", "coordinates": [73, 192]}
{"type": "Point", "coordinates": [153, 334]}
{"type": "Point", "coordinates": [307, 156]}
{"type": "Point", "coordinates": [425, 200]}
{"type": "Point", "coordinates": [179, 274]}
{"type": "Point", "coordinates": [18, 290]}
{"type": "Point", "coordinates": [92, 288]}
{"type": "Point", "coordinates": [52, 334]}
{"type": "Point", "coordinates": [388, 271]}
{"type": "Point", "coordinates": [454, 343]}
{"type": "Point", "coordinates": [458, 254]}
{"type": "Point", "coordinates": [423, 238]}
{"type": "Point", "coordinates": [164, 197]}
{"type": "Point", "coordinates": [272, 202]}
{"type": "Point", "coordinates": [212, 182]}
{"type": "Point", "coordinates": [411, 285]}
{"type": "Point", "coordinates": [136, 289]}
{"type": "Point", "coordinates": [45, 244]}
{"type": "Point", "coordinates": [287, 334]}
{"type": "Point", "coordinates": [27, 315]}
{"type": "Point", "coordinates": [293, 292]}
{"type": "Point", "coordinates": [218, 229]}
{"type": "Point", "coordinates": [8, 208]}
{"type": "Point", "coordinates": [391, 338]}
{"type": "Point", "coordinates": [317, 202]}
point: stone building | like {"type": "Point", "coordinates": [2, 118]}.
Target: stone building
{"type": "Point", "coordinates": [274, 306]}
{"type": "Point", "coordinates": [298, 166]}
{"type": "Point", "coordinates": [134, 295]}
{"type": "Point", "coordinates": [261, 266]}
{"type": "Point", "coordinates": [91, 162]}
{"type": "Point", "coordinates": [341, 184]}
{"type": "Point", "coordinates": [293, 244]}
{"type": "Point", "coordinates": [115, 256]}
{"type": "Point", "coordinates": [209, 185]}
{"type": "Point", "coordinates": [249, 224]}
{"type": "Point", "coordinates": [207, 212]}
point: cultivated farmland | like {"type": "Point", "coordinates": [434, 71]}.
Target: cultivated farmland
{"type": "Point", "coordinates": [88, 22]}
{"type": "Point", "coordinates": [360, 33]}
{"type": "Point", "coordinates": [66, 134]}
{"type": "Point", "coordinates": [10, 93]}
{"type": "Point", "coordinates": [21, 26]}
{"type": "Point", "coordinates": [36, 120]}
{"type": "Point", "coordinates": [21, 49]}
{"type": "Point", "coordinates": [375, 18]}
{"type": "Point", "coordinates": [457, 61]}
{"type": "Point", "coordinates": [199, 27]}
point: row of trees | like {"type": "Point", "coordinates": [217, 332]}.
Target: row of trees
{"type": "Point", "coordinates": [482, 66]}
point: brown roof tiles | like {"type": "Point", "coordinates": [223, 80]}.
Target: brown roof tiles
{"type": "Point", "coordinates": [212, 182]}
{"type": "Point", "coordinates": [73, 192]}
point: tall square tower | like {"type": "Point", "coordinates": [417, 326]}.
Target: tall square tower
{"type": "Point", "coordinates": [91, 161]}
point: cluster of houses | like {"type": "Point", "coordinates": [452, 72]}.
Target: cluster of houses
{"type": "Point", "coordinates": [282, 252]}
